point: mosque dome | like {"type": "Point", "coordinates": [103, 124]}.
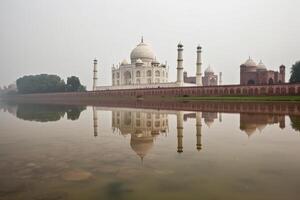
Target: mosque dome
{"type": "Point", "coordinates": [261, 66]}
{"type": "Point", "coordinates": [142, 51]}
{"type": "Point", "coordinates": [250, 63]}
{"type": "Point", "coordinates": [209, 70]}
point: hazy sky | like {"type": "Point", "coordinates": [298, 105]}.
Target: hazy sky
{"type": "Point", "coordinates": [64, 36]}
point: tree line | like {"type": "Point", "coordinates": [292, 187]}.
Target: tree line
{"type": "Point", "coordinates": [45, 83]}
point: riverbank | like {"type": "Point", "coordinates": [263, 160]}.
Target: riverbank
{"type": "Point", "coordinates": [241, 98]}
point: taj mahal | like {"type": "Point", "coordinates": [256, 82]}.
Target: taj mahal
{"type": "Point", "coordinates": [145, 71]}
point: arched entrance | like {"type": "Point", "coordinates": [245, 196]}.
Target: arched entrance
{"type": "Point", "coordinates": [251, 82]}
{"type": "Point", "coordinates": [127, 78]}
{"type": "Point", "coordinates": [271, 81]}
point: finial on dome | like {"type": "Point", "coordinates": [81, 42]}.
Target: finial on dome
{"type": "Point", "coordinates": [142, 39]}
{"type": "Point", "coordinates": [179, 45]}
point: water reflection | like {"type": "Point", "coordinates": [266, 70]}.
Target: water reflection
{"type": "Point", "coordinates": [250, 123]}
{"type": "Point", "coordinates": [43, 113]}
{"type": "Point", "coordinates": [172, 143]}
{"type": "Point", "coordinates": [144, 126]}
{"type": "Point", "coordinates": [295, 122]}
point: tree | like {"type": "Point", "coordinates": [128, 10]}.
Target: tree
{"type": "Point", "coordinates": [42, 83]}
{"type": "Point", "coordinates": [73, 84]}
{"type": "Point", "coordinates": [295, 73]}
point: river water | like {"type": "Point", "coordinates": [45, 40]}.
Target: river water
{"type": "Point", "coordinates": [52, 152]}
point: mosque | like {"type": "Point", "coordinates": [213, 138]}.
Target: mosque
{"type": "Point", "coordinates": [145, 71]}
{"type": "Point", "coordinates": [257, 74]}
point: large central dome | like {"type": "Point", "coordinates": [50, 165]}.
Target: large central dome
{"type": "Point", "coordinates": [143, 51]}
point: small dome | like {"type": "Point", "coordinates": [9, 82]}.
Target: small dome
{"type": "Point", "coordinates": [209, 70]}
{"type": "Point", "coordinates": [261, 66]}
{"type": "Point", "coordinates": [250, 63]}
{"type": "Point", "coordinates": [124, 62]}
{"type": "Point", "coordinates": [142, 51]}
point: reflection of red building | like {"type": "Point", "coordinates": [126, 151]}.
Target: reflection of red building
{"type": "Point", "coordinates": [252, 122]}
{"type": "Point", "coordinates": [253, 74]}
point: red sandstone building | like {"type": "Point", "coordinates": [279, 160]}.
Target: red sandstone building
{"type": "Point", "coordinates": [253, 74]}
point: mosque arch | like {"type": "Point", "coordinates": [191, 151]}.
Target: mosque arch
{"type": "Point", "coordinates": [251, 82]}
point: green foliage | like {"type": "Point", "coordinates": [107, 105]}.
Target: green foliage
{"type": "Point", "coordinates": [73, 84]}
{"type": "Point", "coordinates": [45, 83]}
{"type": "Point", "coordinates": [42, 83]}
{"type": "Point", "coordinates": [295, 73]}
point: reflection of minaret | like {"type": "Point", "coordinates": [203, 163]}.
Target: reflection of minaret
{"type": "Point", "coordinates": [95, 119]}
{"type": "Point", "coordinates": [220, 117]}
{"type": "Point", "coordinates": [179, 132]}
{"type": "Point", "coordinates": [198, 129]}
{"type": "Point", "coordinates": [282, 122]}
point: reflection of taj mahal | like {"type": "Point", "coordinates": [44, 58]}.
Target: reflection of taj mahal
{"type": "Point", "coordinates": [143, 126]}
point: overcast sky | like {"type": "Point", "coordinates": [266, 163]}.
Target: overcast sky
{"type": "Point", "coordinates": [63, 36]}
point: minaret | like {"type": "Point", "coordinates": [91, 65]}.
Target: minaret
{"type": "Point", "coordinates": [95, 120]}
{"type": "Point", "coordinates": [179, 64]}
{"type": "Point", "coordinates": [198, 67]}
{"type": "Point", "coordinates": [198, 129]}
{"type": "Point", "coordinates": [179, 132]}
{"type": "Point", "coordinates": [95, 75]}
{"type": "Point", "coordinates": [220, 78]}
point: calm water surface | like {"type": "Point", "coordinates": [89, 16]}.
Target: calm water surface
{"type": "Point", "coordinates": [68, 152]}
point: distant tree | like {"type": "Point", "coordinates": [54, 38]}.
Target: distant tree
{"type": "Point", "coordinates": [295, 73]}
{"type": "Point", "coordinates": [74, 85]}
{"type": "Point", "coordinates": [295, 122]}
{"type": "Point", "coordinates": [42, 83]}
